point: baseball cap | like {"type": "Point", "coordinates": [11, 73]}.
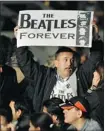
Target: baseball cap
{"type": "Point", "coordinates": [79, 102]}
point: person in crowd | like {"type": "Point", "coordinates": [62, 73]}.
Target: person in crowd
{"type": "Point", "coordinates": [51, 106]}
{"type": "Point", "coordinates": [41, 122]}
{"type": "Point", "coordinates": [95, 95]}
{"type": "Point", "coordinates": [62, 81]}
{"type": "Point", "coordinates": [21, 115]}
{"type": "Point", "coordinates": [25, 87]}
{"type": "Point", "coordinates": [83, 58]}
{"type": "Point", "coordinates": [84, 54]}
{"type": "Point", "coordinates": [8, 78]}
{"type": "Point", "coordinates": [77, 113]}
{"type": "Point", "coordinates": [5, 118]}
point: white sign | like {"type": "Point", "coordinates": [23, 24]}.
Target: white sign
{"type": "Point", "coordinates": [55, 28]}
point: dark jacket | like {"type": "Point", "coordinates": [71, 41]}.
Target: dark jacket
{"type": "Point", "coordinates": [43, 78]}
{"type": "Point", "coordinates": [85, 72]}
{"type": "Point", "coordinates": [8, 84]}
{"type": "Point", "coordinates": [96, 101]}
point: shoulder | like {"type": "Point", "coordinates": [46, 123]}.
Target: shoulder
{"type": "Point", "coordinates": [94, 125]}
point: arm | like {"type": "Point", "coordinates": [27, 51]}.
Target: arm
{"type": "Point", "coordinates": [96, 52]}
{"type": "Point", "coordinates": [85, 72]}
{"type": "Point", "coordinates": [28, 66]}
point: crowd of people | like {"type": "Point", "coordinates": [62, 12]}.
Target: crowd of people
{"type": "Point", "coordinates": [66, 97]}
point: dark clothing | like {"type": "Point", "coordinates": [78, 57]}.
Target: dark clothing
{"type": "Point", "coordinates": [44, 78]}
{"type": "Point", "coordinates": [8, 84]}
{"type": "Point", "coordinates": [26, 89]}
{"type": "Point", "coordinates": [96, 101]}
{"type": "Point", "coordinates": [85, 72]}
{"type": "Point", "coordinates": [23, 123]}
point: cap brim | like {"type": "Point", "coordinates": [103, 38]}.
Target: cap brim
{"type": "Point", "coordinates": [66, 106]}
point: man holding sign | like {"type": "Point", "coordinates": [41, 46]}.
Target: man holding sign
{"type": "Point", "coordinates": [63, 81]}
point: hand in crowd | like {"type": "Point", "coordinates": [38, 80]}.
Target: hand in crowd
{"type": "Point", "coordinates": [95, 27]}
{"type": "Point", "coordinates": [11, 127]}
{"type": "Point", "coordinates": [15, 31]}
{"type": "Point", "coordinates": [96, 79]}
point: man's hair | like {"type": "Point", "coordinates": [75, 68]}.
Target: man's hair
{"type": "Point", "coordinates": [63, 49]}
{"type": "Point", "coordinates": [6, 112]}
{"type": "Point", "coordinates": [22, 105]}
{"type": "Point", "coordinates": [23, 120]}
{"type": "Point", "coordinates": [53, 108]}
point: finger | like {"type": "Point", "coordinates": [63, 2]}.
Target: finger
{"type": "Point", "coordinates": [16, 28]}
{"type": "Point", "coordinates": [96, 28]}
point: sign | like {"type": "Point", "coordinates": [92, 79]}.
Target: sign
{"type": "Point", "coordinates": [55, 28]}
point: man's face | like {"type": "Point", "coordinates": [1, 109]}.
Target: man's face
{"type": "Point", "coordinates": [63, 63]}
{"type": "Point", "coordinates": [71, 115]}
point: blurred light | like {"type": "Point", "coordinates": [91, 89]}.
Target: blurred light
{"type": "Point", "coordinates": [47, 3]}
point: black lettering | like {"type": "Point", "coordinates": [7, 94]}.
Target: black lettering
{"type": "Point", "coordinates": [42, 24]}
{"type": "Point", "coordinates": [47, 35]}
{"type": "Point", "coordinates": [49, 25]}
{"type": "Point", "coordinates": [64, 23]}
{"type": "Point", "coordinates": [72, 24]}
{"type": "Point", "coordinates": [69, 95]}
{"type": "Point", "coordinates": [61, 91]}
{"type": "Point", "coordinates": [22, 34]}
{"type": "Point", "coordinates": [55, 35]}
{"type": "Point", "coordinates": [62, 97]}
{"type": "Point", "coordinates": [40, 35]}
{"type": "Point", "coordinates": [56, 24]}
{"type": "Point", "coordinates": [31, 35]}
{"type": "Point", "coordinates": [25, 18]}
{"type": "Point", "coordinates": [71, 36]}
{"type": "Point", "coordinates": [44, 15]}
{"type": "Point", "coordinates": [33, 23]}
{"type": "Point", "coordinates": [62, 36]}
